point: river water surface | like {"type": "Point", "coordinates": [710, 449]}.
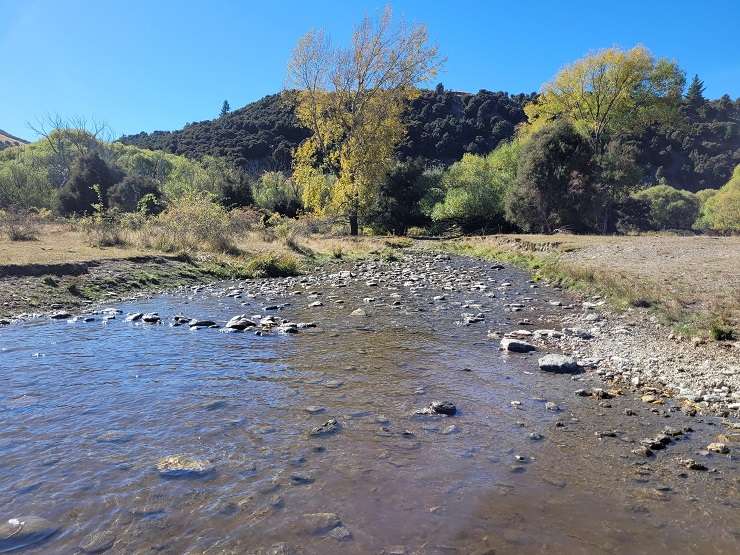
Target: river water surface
{"type": "Point", "coordinates": [88, 409]}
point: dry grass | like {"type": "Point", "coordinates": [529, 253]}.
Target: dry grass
{"type": "Point", "coordinates": [59, 243]}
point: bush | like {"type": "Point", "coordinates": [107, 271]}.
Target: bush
{"type": "Point", "coordinates": [670, 208]}
{"type": "Point", "coordinates": [20, 224]}
{"type": "Point", "coordinates": [475, 189]}
{"type": "Point", "coordinates": [277, 193]}
{"type": "Point", "coordinates": [190, 223]}
{"type": "Point", "coordinates": [554, 183]}
{"type": "Point", "coordinates": [127, 194]}
{"type": "Point", "coordinates": [721, 211]}
{"type": "Point", "coordinates": [77, 195]}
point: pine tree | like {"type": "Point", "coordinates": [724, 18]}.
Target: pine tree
{"type": "Point", "coordinates": [225, 108]}
{"type": "Point", "coordinates": [695, 93]}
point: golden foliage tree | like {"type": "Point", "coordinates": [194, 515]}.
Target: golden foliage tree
{"type": "Point", "coordinates": [610, 92]}
{"type": "Point", "coordinates": [352, 99]}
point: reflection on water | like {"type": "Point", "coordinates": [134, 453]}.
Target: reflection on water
{"type": "Point", "coordinates": [88, 409]}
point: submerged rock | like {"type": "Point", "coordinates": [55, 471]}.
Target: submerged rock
{"type": "Point", "coordinates": [183, 466]}
{"type": "Point", "coordinates": [23, 531]}
{"type": "Point", "coordinates": [558, 363]}
{"type": "Point", "coordinates": [331, 426]}
{"type": "Point", "coordinates": [98, 542]}
{"type": "Point", "coordinates": [446, 408]}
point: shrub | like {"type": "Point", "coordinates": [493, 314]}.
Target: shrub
{"type": "Point", "coordinates": [192, 222]}
{"type": "Point", "coordinates": [20, 224]}
{"type": "Point", "coordinates": [721, 211]}
{"type": "Point", "coordinates": [670, 208]}
{"type": "Point", "coordinates": [127, 194]}
{"type": "Point", "coordinates": [277, 193]}
{"type": "Point", "coordinates": [78, 195]}
{"type": "Point", "coordinates": [103, 227]}
{"type": "Point", "coordinates": [272, 265]}
{"type": "Point", "coordinates": [475, 189]}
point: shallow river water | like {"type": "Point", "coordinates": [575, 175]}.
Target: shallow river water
{"type": "Point", "coordinates": [88, 409]}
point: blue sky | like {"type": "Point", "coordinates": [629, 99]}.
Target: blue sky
{"type": "Point", "coordinates": [156, 64]}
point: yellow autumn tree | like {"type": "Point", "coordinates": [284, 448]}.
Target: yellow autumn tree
{"type": "Point", "coordinates": [352, 100]}
{"type": "Point", "coordinates": [608, 93]}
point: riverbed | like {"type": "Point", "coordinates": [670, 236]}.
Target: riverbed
{"type": "Point", "coordinates": [89, 409]}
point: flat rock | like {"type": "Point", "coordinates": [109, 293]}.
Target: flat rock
{"type": "Point", "coordinates": [321, 523]}
{"type": "Point", "coordinates": [183, 466]}
{"type": "Point", "coordinates": [557, 363]}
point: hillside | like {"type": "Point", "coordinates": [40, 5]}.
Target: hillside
{"type": "Point", "coordinates": [696, 153]}
{"type": "Point", "coordinates": [6, 140]}
{"type": "Point", "coordinates": [442, 126]}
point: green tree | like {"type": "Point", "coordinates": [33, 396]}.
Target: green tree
{"type": "Point", "coordinates": [695, 93]}
{"type": "Point", "coordinates": [277, 193]}
{"type": "Point", "coordinates": [475, 189]}
{"type": "Point", "coordinates": [352, 101]}
{"type": "Point", "coordinates": [610, 93]}
{"type": "Point", "coordinates": [721, 211]}
{"type": "Point", "coordinates": [398, 206]}
{"type": "Point", "coordinates": [670, 208]}
{"type": "Point", "coordinates": [225, 108]}
{"type": "Point", "coordinates": [126, 194]}
{"type": "Point", "coordinates": [79, 194]}
{"type": "Point", "coordinates": [554, 183]}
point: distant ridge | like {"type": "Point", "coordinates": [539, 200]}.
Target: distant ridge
{"type": "Point", "coordinates": [6, 140]}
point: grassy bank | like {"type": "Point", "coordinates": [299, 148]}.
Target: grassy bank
{"type": "Point", "coordinates": [691, 283]}
{"type": "Point", "coordinates": [61, 268]}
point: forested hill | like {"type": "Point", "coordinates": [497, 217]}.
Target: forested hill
{"type": "Point", "coordinates": [6, 140]}
{"type": "Point", "coordinates": [696, 153]}
{"type": "Point", "coordinates": [442, 126]}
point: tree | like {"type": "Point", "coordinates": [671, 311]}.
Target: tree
{"type": "Point", "coordinates": [721, 211]}
{"type": "Point", "coordinates": [695, 93]}
{"type": "Point", "coordinates": [610, 93]}
{"type": "Point", "coordinates": [277, 193]}
{"type": "Point", "coordinates": [126, 194]}
{"type": "Point", "coordinates": [225, 108]}
{"type": "Point", "coordinates": [554, 182]}
{"type": "Point", "coordinates": [670, 208]}
{"type": "Point", "coordinates": [78, 195]}
{"type": "Point", "coordinates": [475, 189]}
{"type": "Point", "coordinates": [399, 197]}
{"type": "Point", "coordinates": [352, 100]}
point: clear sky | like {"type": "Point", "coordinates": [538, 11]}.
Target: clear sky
{"type": "Point", "coordinates": [142, 65]}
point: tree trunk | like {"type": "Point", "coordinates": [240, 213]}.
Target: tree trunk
{"type": "Point", "coordinates": [354, 228]}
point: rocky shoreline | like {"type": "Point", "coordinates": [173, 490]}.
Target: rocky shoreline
{"type": "Point", "coordinates": [631, 350]}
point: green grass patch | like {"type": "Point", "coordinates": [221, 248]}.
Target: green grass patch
{"type": "Point", "coordinates": [272, 265]}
